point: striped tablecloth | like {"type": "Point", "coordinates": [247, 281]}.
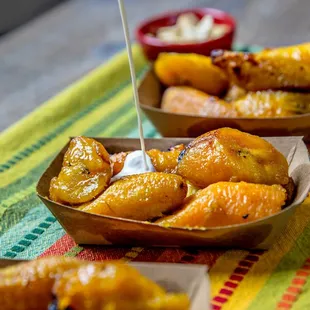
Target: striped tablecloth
{"type": "Point", "coordinates": [101, 105]}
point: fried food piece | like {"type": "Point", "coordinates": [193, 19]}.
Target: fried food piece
{"type": "Point", "coordinates": [141, 196]}
{"type": "Point", "coordinates": [234, 93]}
{"type": "Point", "coordinates": [117, 161]}
{"type": "Point", "coordinates": [82, 285]}
{"type": "Point", "coordinates": [28, 286]}
{"type": "Point", "coordinates": [98, 286]}
{"type": "Point", "coordinates": [194, 70]}
{"type": "Point", "coordinates": [272, 104]}
{"type": "Point", "coordinates": [162, 161]}
{"type": "Point", "coordinates": [165, 161]}
{"type": "Point", "coordinates": [279, 68]}
{"type": "Point", "coordinates": [187, 100]}
{"type": "Point", "coordinates": [228, 154]}
{"type": "Point", "coordinates": [85, 173]}
{"type": "Point", "coordinates": [228, 203]}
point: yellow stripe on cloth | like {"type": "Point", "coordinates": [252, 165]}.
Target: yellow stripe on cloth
{"type": "Point", "coordinates": [76, 97]}
{"type": "Point", "coordinates": [16, 198]}
{"type": "Point", "coordinates": [22, 167]}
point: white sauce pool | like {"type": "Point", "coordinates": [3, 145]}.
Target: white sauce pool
{"type": "Point", "coordinates": [134, 164]}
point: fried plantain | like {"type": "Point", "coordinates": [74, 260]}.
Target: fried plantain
{"type": "Point", "coordinates": [85, 172]}
{"type": "Point", "coordinates": [187, 100]}
{"type": "Point", "coordinates": [68, 283]}
{"type": "Point", "coordinates": [141, 196]}
{"type": "Point", "coordinates": [28, 286]}
{"type": "Point", "coordinates": [272, 104]}
{"type": "Point", "coordinates": [166, 161]}
{"type": "Point", "coordinates": [228, 203]}
{"type": "Point", "coordinates": [231, 155]}
{"type": "Point", "coordinates": [117, 161]}
{"type": "Point", "coordinates": [282, 68]}
{"type": "Point", "coordinates": [234, 93]}
{"type": "Point", "coordinates": [194, 70]}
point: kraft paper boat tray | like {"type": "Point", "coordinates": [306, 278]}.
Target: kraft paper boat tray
{"type": "Point", "coordinates": [183, 125]}
{"type": "Point", "coordinates": [86, 228]}
{"type": "Point", "coordinates": [190, 279]}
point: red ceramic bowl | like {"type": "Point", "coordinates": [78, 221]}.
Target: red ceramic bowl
{"type": "Point", "coordinates": [153, 46]}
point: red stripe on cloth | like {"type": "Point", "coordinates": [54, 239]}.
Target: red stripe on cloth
{"type": "Point", "coordinates": [295, 289]}
{"type": "Point", "coordinates": [284, 305]}
{"type": "Point", "coordinates": [220, 299]}
{"type": "Point", "coordinates": [228, 288]}
{"type": "Point", "coordinates": [149, 255]}
{"type": "Point", "coordinates": [299, 281]}
{"type": "Point", "coordinates": [186, 256]}
{"type": "Point", "coordinates": [99, 253]}
{"type": "Point", "coordinates": [171, 255]}
{"type": "Point", "coordinates": [60, 247]}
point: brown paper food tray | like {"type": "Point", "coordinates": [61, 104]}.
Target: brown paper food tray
{"type": "Point", "coordinates": [182, 125]}
{"type": "Point", "coordinates": [190, 279]}
{"type": "Point", "coordinates": [86, 228]}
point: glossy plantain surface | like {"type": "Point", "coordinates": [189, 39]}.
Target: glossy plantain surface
{"type": "Point", "coordinates": [187, 100]}
{"type": "Point", "coordinates": [272, 104]}
{"type": "Point", "coordinates": [283, 68]}
{"type": "Point", "coordinates": [231, 155]}
{"type": "Point", "coordinates": [141, 197]}
{"type": "Point", "coordinates": [228, 203]}
{"type": "Point", "coordinates": [67, 283]}
{"type": "Point", "coordinates": [193, 70]}
{"type": "Point", "coordinates": [85, 173]}
{"type": "Point", "coordinates": [28, 286]}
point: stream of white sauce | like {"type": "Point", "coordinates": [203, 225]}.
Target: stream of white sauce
{"type": "Point", "coordinates": [138, 161]}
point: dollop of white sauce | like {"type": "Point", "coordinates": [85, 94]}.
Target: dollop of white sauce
{"type": "Point", "coordinates": [134, 164]}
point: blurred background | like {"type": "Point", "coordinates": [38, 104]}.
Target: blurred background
{"type": "Point", "coordinates": [47, 44]}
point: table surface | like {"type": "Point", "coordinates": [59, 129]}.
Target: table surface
{"type": "Point", "coordinates": [47, 54]}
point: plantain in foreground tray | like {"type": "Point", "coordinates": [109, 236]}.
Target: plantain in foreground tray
{"type": "Point", "coordinates": [231, 155]}
{"type": "Point", "coordinates": [222, 177]}
{"type": "Point", "coordinates": [85, 172]}
{"type": "Point", "coordinates": [68, 283]}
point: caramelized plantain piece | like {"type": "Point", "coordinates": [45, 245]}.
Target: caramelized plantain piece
{"type": "Point", "coordinates": [67, 283]}
{"type": "Point", "coordinates": [234, 93]}
{"type": "Point", "coordinates": [162, 161]}
{"type": "Point", "coordinates": [231, 155]}
{"type": "Point", "coordinates": [85, 173]}
{"type": "Point", "coordinates": [194, 70]}
{"type": "Point", "coordinates": [187, 100]}
{"type": "Point", "coordinates": [141, 196]}
{"type": "Point", "coordinates": [272, 104]}
{"type": "Point", "coordinates": [283, 68]}
{"type": "Point", "coordinates": [28, 286]}
{"type": "Point", "coordinates": [99, 286]}
{"type": "Point", "coordinates": [166, 161]}
{"type": "Point", "coordinates": [117, 161]}
{"type": "Point", "coordinates": [228, 203]}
